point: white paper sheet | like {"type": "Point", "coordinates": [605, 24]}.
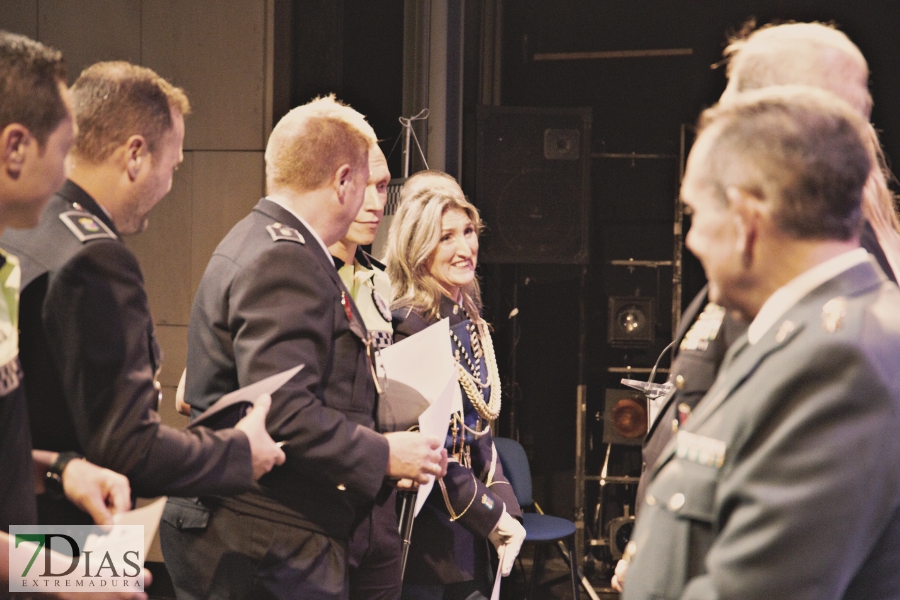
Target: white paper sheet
{"type": "Point", "coordinates": [495, 594]}
{"type": "Point", "coordinates": [416, 371]}
{"type": "Point", "coordinates": [249, 393]}
{"type": "Point", "coordinates": [434, 420]}
{"type": "Point", "coordinates": [118, 540]}
{"type": "Point", "coordinates": [421, 387]}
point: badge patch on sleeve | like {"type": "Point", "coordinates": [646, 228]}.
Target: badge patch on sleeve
{"type": "Point", "coordinates": [489, 502]}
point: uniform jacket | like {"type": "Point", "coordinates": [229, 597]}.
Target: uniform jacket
{"type": "Point", "coordinates": [693, 373]}
{"type": "Point", "coordinates": [17, 502]}
{"type": "Point", "coordinates": [90, 358]}
{"type": "Point", "coordinates": [444, 551]}
{"type": "Point", "coordinates": [270, 300]}
{"type": "Point", "coordinates": [784, 481]}
{"type": "Point", "coordinates": [697, 367]}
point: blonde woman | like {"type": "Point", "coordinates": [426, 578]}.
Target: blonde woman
{"type": "Point", "coordinates": [431, 261]}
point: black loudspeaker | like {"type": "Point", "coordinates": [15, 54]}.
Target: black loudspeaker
{"type": "Point", "coordinates": [632, 321]}
{"type": "Point", "coordinates": [532, 184]}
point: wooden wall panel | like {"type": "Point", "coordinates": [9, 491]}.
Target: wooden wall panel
{"type": "Point", "coordinates": [163, 250]}
{"type": "Point", "coordinates": [227, 185]}
{"type": "Point", "coordinates": [19, 16]}
{"type": "Point", "coordinates": [88, 31]}
{"type": "Point", "coordinates": [216, 51]}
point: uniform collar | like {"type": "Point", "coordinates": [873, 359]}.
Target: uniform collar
{"type": "Point", "coordinates": [788, 295]}
{"type": "Point", "coordinates": [361, 258]}
{"type": "Point", "coordinates": [312, 231]}
{"type": "Point", "coordinates": [74, 194]}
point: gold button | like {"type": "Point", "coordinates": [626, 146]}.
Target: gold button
{"type": "Point", "coordinates": [674, 425]}
{"type": "Point", "coordinates": [679, 382]}
{"type": "Point", "coordinates": [676, 502]}
{"type": "Point", "coordinates": [342, 487]}
{"type": "Point", "coordinates": [650, 500]}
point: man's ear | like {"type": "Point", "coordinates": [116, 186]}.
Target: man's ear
{"type": "Point", "coordinates": [342, 179]}
{"type": "Point", "coordinates": [136, 152]}
{"type": "Point", "coordinates": [13, 141]}
{"type": "Point", "coordinates": [748, 212]}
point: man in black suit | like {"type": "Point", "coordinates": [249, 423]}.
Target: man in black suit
{"type": "Point", "coordinates": [271, 299]}
{"type": "Point", "coordinates": [88, 347]}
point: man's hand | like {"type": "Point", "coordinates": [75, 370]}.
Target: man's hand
{"type": "Point", "coordinates": [415, 456]}
{"type": "Point", "coordinates": [407, 485]}
{"type": "Point", "coordinates": [618, 579]}
{"type": "Point", "coordinates": [509, 535]}
{"type": "Point", "coordinates": [266, 453]}
{"type": "Point", "coordinates": [97, 491]}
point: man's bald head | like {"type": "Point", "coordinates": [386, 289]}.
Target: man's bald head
{"type": "Point", "coordinates": [810, 54]}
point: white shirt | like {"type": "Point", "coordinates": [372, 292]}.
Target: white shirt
{"type": "Point", "coordinates": [797, 288]}
{"type": "Point", "coordinates": [280, 202]}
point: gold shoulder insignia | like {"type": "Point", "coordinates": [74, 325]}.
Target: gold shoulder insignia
{"type": "Point", "coordinates": [85, 226]}
{"type": "Point", "coordinates": [285, 232]}
{"type": "Point", "coordinates": [833, 314]}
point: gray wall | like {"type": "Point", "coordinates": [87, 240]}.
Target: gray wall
{"type": "Point", "coordinates": [221, 54]}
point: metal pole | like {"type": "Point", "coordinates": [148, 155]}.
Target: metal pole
{"type": "Point", "coordinates": [580, 422]}
{"type": "Point", "coordinates": [407, 516]}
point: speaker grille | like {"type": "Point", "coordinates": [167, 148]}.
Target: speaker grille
{"type": "Point", "coordinates": [532, 184]}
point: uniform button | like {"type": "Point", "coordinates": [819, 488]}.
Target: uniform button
{"type": "Point", "coordinates": [179, 523]}
{"type": "Point", "coordinates": [674, 425]}
{"type": "Point", "coordinates": [342, 487]}
{"type": "Point", "coordinates": [643, 466]}
{"type": "Point", "coordinates": [650, 500]}
{"type": "Point", "coordinates": [679, 382]}
{"type": "Point", "coordinates": [676, 502]}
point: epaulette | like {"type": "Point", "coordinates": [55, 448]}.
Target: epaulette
{"type": "Point", "coordinates": [86, 226]}
{"type": "Point", "coordinates": [285, 232]}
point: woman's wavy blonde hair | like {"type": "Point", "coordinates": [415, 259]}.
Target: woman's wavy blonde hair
{"type": "Point", "coordinates": [412, 243]}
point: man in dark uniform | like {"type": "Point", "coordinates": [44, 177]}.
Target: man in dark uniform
{"type": "Point", "coordinates": [36, 132]}
{"type": "Point", "coordinates": [374, 550]}
{"type": "Point", "coordinates": [271, 299]}
{"type": "Point", "coordinates": [88, 348]}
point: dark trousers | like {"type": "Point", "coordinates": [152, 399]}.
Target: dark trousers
{"type": "Point", "coordinates": [375, 555]}
{"type": "Point", "coordinates": [242, 557]}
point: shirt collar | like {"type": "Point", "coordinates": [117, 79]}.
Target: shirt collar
{"type": "Point", "coordinates": [796, 289]}
{"type": "Point", "coordinates": [281, 202]}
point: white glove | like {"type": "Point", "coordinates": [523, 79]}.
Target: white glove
{"type": "Point", "coordinates": [618, 579]}
{"type": "Point", "coordinates": [509, 535]}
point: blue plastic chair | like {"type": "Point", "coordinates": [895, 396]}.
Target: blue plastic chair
{"type": "Point", "coordinates": [540, 529]}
